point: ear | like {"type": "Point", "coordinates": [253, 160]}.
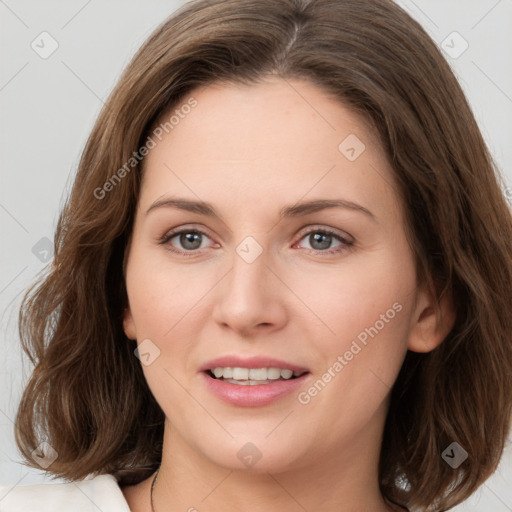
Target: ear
{"type": "Point", "coordinates": [430, 327]}
{"type": "Point", "coordinates": [129, 324]}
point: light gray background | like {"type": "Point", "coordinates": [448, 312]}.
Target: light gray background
{"type": "Point", "coordinates": [48, 107]}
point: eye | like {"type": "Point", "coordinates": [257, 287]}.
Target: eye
{"type": "Point", "coordinates": [326, 241]}
{"type": "Point", "coordinates": [185, 241]}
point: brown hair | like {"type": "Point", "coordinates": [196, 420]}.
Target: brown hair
{"type": "Point", "coordinates": [88, 397]}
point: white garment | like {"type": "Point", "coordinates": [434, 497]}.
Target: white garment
{"type": "Point", "coordinates": [92, 494]}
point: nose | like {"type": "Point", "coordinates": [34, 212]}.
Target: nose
{"type": "Point", "coordinates": [250, 299]}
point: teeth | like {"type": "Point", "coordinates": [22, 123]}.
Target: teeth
{"type": "Point", "coordinates": [258, 374]}
{"type": "Point", "coordinates": [218, 372]}
{"type": "Point", "coordinates": [286, 374]}
{"type": "Point", "coordinates": [253, 374]}
{"type": "Point", "coordinates": [240, 373]}
{"type": "Point", "coordinates": [273, 373]}
{"type": "Point", "coordinates": [246, 382]}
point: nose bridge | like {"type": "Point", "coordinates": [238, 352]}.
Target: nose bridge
{"type": "Point", "coordinates": [247, 298]}
{"type": "Point", "coordinates": [249, 273]}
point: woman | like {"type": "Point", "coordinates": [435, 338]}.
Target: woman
{"type": "Point", "coordinates": [282, 279]}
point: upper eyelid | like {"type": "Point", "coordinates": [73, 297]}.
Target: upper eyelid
{"type": "Point", "coordinates": [307, 229]}
{"type": "Point", "coordinates": [186, 229]}
{"type": "Point", "coordinates": [331, 231]}
{"type": "Point", "coordinates": [343, 236]}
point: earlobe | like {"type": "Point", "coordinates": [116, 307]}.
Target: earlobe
{"type": "Point", "coordinates": [430, 327]}
{"type": "Point", "coordinates": [129, 325]}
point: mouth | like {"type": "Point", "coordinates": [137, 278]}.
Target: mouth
{"type": "Point", "coordinates": [253, 382]}
{"type": "Point", "coordinates": [240, 376]}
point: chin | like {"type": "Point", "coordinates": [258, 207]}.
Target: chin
{"type": "Point", "coordinates": [255, 454]}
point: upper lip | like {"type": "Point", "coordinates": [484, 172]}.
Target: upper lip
{"type": "Point", "coordinates": [251, 362]}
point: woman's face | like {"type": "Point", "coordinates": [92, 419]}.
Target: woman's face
{"type": "Point", "coordinates": [269, 240]}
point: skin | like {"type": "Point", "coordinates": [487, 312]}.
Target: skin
{"type": "Point", "coordinates": [250, 151]}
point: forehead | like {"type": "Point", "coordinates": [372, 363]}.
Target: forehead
{"type": "Point", "coordinates": [239, 121]}
{"type": "Point", "coordinates": [266, 142]}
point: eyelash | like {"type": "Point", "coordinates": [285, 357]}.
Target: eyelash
{"type": "Point", "coordinates": [345, 244]}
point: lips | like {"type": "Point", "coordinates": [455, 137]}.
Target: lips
{"type": "Point", "coordinates": [252, 382]}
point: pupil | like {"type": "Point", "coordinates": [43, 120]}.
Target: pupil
{"type": "Point", "coordinates": [321, 240]}
{"type": "Point", "coordinates": [190, 240]}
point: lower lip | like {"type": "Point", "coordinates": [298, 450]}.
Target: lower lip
{"type": "Point", "coordinates": [253, 396]}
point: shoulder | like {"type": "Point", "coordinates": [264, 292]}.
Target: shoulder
{"type": "Point", "coordinates": [91, 494]}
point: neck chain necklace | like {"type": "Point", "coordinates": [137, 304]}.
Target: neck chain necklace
{"type": "Point", "coordinates": [151, 492]}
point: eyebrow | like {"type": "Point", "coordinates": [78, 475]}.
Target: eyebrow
{"type": "Point", "coordinates": [296, 210]}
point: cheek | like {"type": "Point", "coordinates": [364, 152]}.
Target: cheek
{"type": "Point", "coordinates": [365, 309]}
{"type": "Point", "coordinates": [164, 301]}
{"type": "Point", "coordinates": [162, 295]}
{"type": "Point", "coordinates": [359, 294]}
{"type": "Point", "coordinates": [357, 367]}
